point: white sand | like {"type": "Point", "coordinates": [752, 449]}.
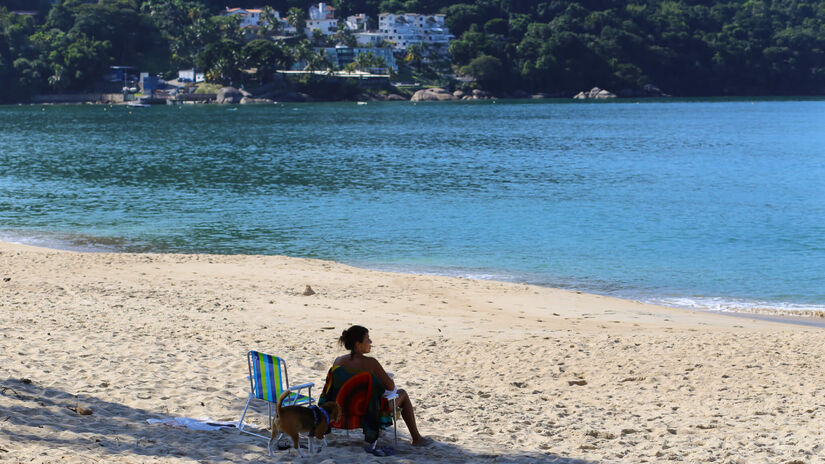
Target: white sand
{"type": "Point", "coordinates": [492, 367]}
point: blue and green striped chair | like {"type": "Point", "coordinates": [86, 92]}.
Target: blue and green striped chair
{"type": "Point", "coordinates": [267, 380]}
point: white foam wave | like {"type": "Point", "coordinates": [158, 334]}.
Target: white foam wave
{"type": "Point", "coordinates": [736, 305]}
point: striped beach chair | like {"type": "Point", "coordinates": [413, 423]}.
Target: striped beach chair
{"type": "Point", "coordinates": [267, 380]}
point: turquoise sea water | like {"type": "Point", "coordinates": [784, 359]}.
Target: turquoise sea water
{"type": "Point", "coordinates": [707, 204]}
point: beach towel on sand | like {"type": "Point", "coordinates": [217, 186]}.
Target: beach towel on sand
{"type": "Point", "coordinates": [355, 387]}
{"type": "Point", "coordinates": [203, 423]}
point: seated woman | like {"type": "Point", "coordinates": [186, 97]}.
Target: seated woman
{"type": "Point", "coordinates": [357, 340]}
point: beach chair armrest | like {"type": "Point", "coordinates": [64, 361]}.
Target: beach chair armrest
{"type": "Point", "coordinates": [302, 386]}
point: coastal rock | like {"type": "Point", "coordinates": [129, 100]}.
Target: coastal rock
{"type": "Point", "coordinates": [395, 97]}
{"type": "Point", "coordinates": [278, 86]}
{"type": "Point", "coordinates": [229, 95]}
{"type": "Point", "coordinates": [251, 100]}
{"type": "Point", "coordinates": [458, 94]}
{"type": "Point", "coordinates": [539, 95]}
{"type": "Point", "coordinates": [434, 94]}
{"type": "Point", "coordinates": [478, 93]}
{"type": "Point", "coordinates": [594, 94]}
{"type": "Point", "coordinates": [652, 91]}
{"type": "Point", "coordinates": [294, 97]}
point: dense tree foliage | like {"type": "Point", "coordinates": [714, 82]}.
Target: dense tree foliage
{"type": "Point", "coordinates": [685, 47]}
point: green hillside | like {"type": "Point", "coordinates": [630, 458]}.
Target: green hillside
{"type": "Point", "coordinates": [686, 48]}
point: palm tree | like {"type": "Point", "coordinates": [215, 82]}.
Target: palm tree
{"type": "Point", "coordinates": [270, 25]}
{"type": "Point", "coordinates": [297, 18]}
{"type": "Point", "coordinates": [369, 60]}
{"type": "Point", "coordinates": [320, 62]}
{"type": "Point", "coordinates": [302, 52]}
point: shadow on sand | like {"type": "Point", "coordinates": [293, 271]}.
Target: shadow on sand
{"type": "Point", "coordinates": [117, 432]}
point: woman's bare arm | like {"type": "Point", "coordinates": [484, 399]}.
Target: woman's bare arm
{"type": "Point", "coordinates": [379, 372]}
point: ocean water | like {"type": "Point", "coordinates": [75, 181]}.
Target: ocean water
{"type": "Point", "coordinates": [709, 204]}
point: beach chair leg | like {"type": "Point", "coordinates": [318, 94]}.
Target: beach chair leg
{"type": "Point", "coordinates": [394, 423]}
{"type": "Point", "coordinates": [240, 422]}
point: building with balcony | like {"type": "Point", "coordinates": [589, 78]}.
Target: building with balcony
{"type": "Point", "coordinates": [403, 30]}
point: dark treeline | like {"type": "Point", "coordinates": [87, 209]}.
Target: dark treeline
{"type": "Point", "coordinates": [685, 47]}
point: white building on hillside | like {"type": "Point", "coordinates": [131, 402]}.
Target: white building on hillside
{"type": "Point", "coordinates": [369, 39]}
{"type": "Point", "coordinates": [408, 29]}
{"type": "Point", "coordinates": [251, 19]}
{"type": "Point", "coordinates": [321, 17]}
{"type": "Point", "coordinates": [357, 22]}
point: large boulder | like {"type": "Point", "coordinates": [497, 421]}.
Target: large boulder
{"type": "Point", "coordinates": [604, 94]}
{"type": "Point", "coordinates": [229, 95]}
{"type": "Point", "coordinates": [595, 94]}
{"type": "Point", "coordinates": [434, 94]}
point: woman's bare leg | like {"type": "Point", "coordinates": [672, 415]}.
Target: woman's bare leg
{"type": "Point", "coordinates": [407, 412]}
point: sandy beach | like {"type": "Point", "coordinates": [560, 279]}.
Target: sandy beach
{"type": "Point", "coordinates": [498, 372]}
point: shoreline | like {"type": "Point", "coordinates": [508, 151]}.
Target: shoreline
{"type": "Point", "coordinates": [808, 317]}
{"type": "Point", "coordinates": [548, 99]}
{"type": "Point", "coordinates": [542, 375]}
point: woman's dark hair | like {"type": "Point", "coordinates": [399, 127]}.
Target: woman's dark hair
{"type": "Point", "coordinates": [352, 336]}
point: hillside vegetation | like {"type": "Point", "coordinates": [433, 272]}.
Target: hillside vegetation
{"type": "Point", "coordinates": [685, 47]}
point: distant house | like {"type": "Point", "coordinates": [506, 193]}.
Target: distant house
{"type": "Point", "coordinates": [321, 17]}
{"type": "Point", "coordinates": [403, 30]}
{"type": "Point", "coordinates": [121, 74]}
{"type": "Point", "coordinates": [149, 84]}
{"type": "Point", "coordinates": [343, 55]}
{"type": "Point", "coordinates": [357, 22]}
{"type": "Point", "coordinates": [369, 39]}
{"type": "Point", "coordinates": [189, 75]}
{"type": "Point", "coordinates": [249, 17]}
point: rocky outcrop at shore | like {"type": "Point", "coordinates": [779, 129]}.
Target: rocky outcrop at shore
{"type": "Point", "coordinates": [433, 94]}
{"type": "Point", "coordinates": [475, 94]}
{"type": "Point", "coordinates": [594, 94]}
{"type": "Point", "coordinates": [369, 96]}
{"type": "Point", "coordinates": [649, 90]}
{"type": "Point", "coordinates": [251, 100]}
{"type": "Point", "coordinates": [270, 93]}
{"type": "Point", "coordinates": [230, 95]}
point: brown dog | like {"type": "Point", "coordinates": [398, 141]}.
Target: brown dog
{"type": "Point", "coordinates": [293, 420]}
